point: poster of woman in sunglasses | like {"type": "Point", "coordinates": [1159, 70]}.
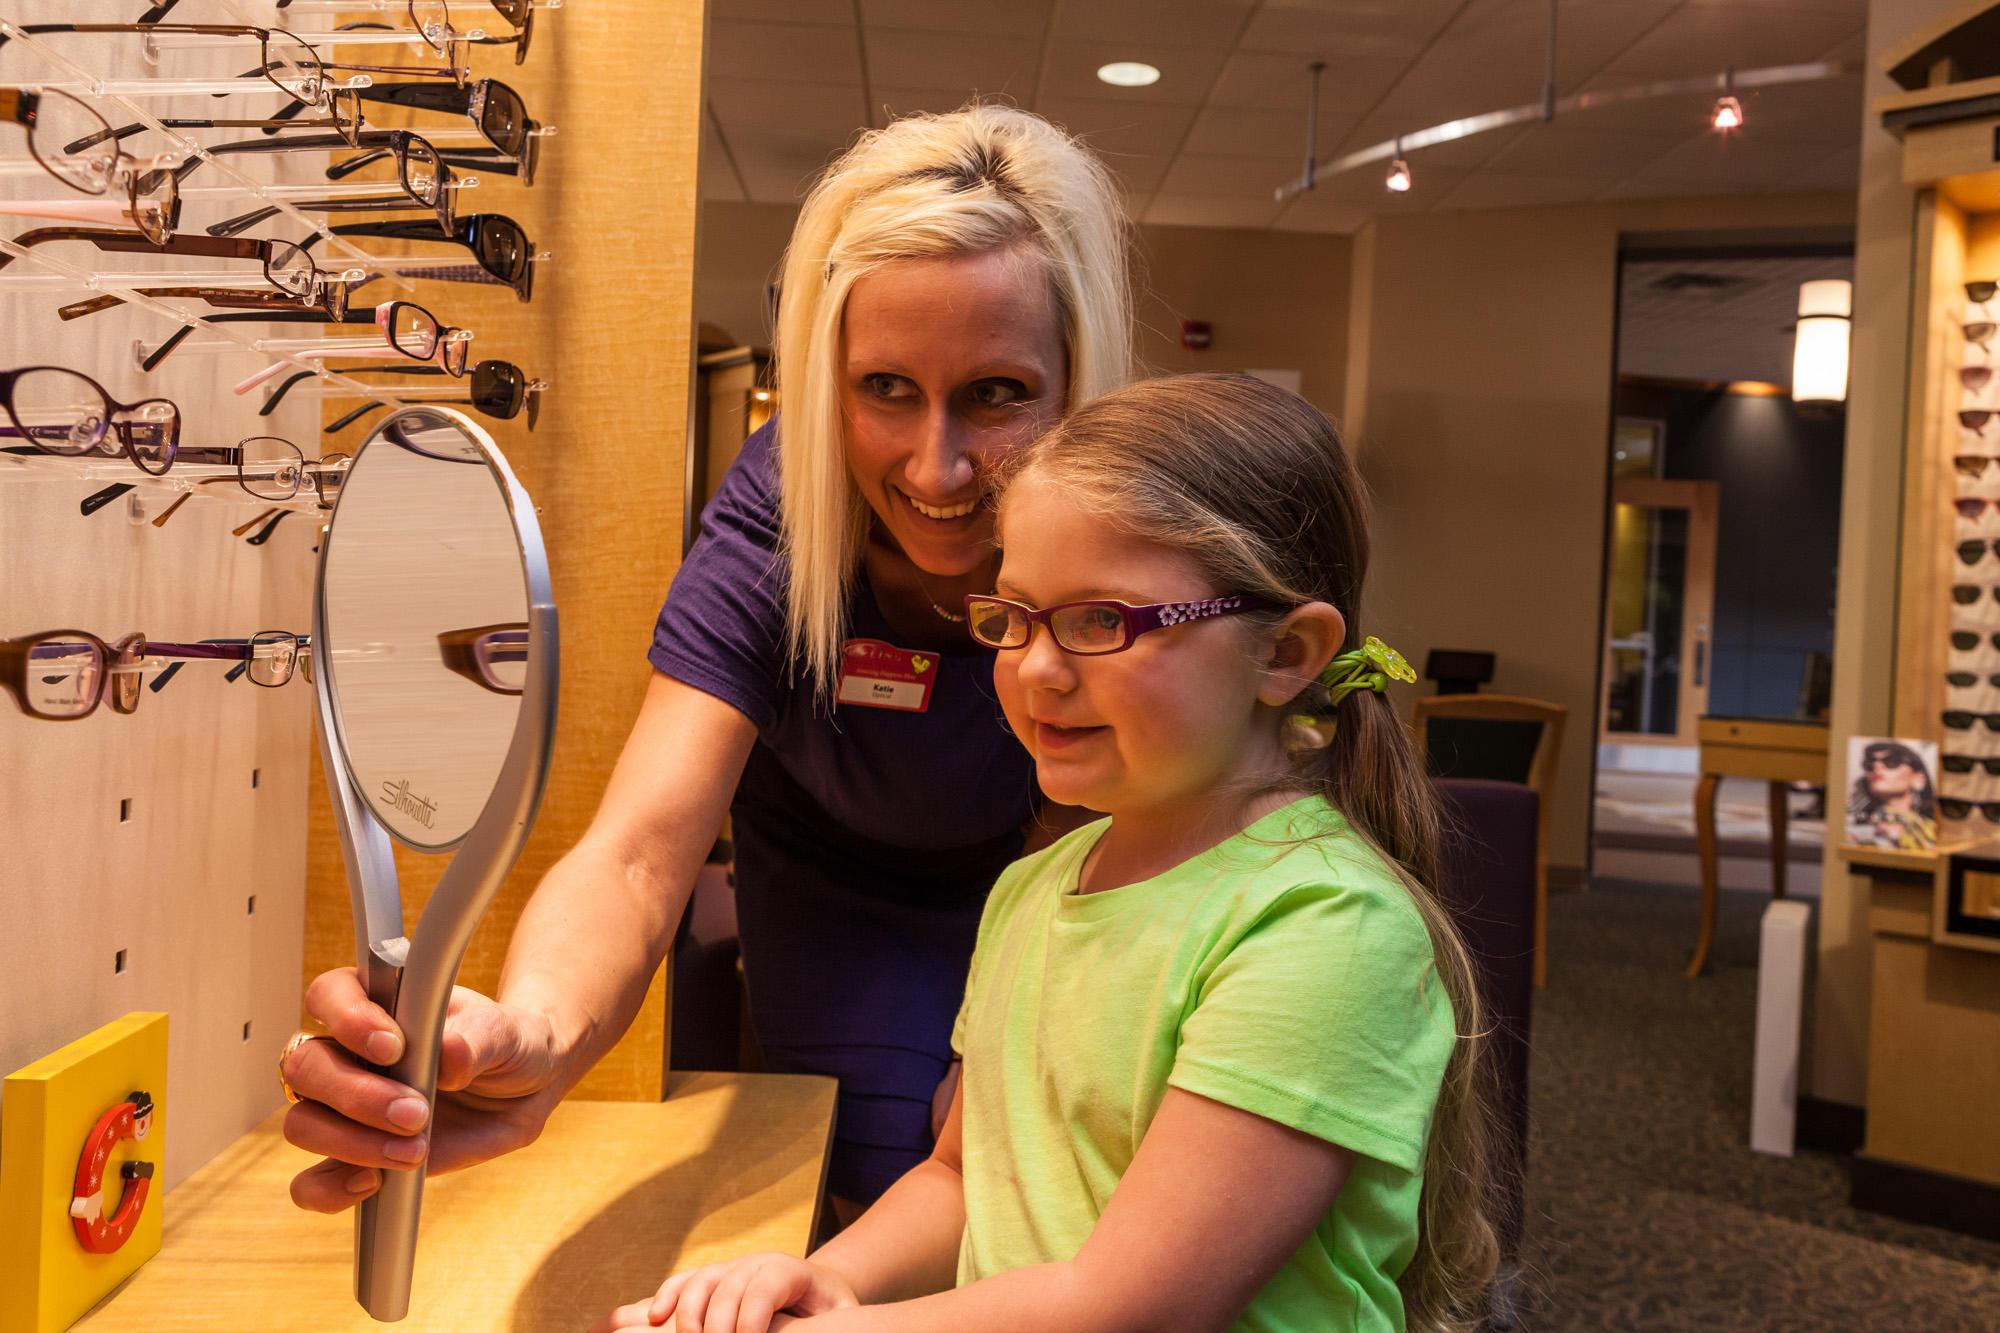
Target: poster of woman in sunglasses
{"type": "Point", "coordinates": [1892, 800]}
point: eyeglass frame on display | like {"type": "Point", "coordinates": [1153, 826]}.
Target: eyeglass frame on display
{"type": "Point", "coordinates": [469, 231]}
{"type": "Point", "coordinates": [9, 379]}
{"type": "Point", "coordinates": [478, 98]}
{"type": "Point", "coordinates": [121, 666]}
{"type": "Point", "coordinates": [114, 241]}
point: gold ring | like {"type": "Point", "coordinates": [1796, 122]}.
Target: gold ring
{"type": "Point", "coordinates": [298, 1039]}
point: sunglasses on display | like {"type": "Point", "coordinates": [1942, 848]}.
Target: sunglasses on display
{"type": "Point", "coordinates": [1975, 378]}
{"type": "Point", "coordinates": [495, 109]}
{"type": "Point", "coordinates": [1965, 680]}
{"type": "Point", "coordinates": [1964, 763]}
{"type": "Point", "coordinates": [1979, 293]}
{"type": "Point", "coordinates": [1095, 627]}
{"type": "Point", "coordinates": [1975, 419]}
{"type": "Point", "coordinates": [1965, 594]}
{"type": "Point", "coordinates": [498, 389]}
{"type": "Point", "coordinates": [1972, 465]}
{"type": "Point", "coordinates": [1971, 507]}
{"type": "Point", "coordinates": [1953, 808]}
{"type": "Point", "coordinates": [1965, 640]}
{"type": "Point", "coordinates": [1959, 719]}
{"type": "Point", "coordinates": [1972, 552]}
{"type": "Point", "coordinates": [496, 240]}
{"type": "Point", "coordinates": [1980, 332]}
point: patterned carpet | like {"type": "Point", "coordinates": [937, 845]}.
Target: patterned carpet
{"type": "Point", "coordinates": [1646, 1208]}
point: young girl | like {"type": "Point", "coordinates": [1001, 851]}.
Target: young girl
{"type": "Point", "coordinates": [1219, 1062]}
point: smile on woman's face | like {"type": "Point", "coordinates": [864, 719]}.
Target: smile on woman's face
{"type": "Point", "coordinates": [943, 363]}
{"type": "Point", "coordinates": [1148, 734]}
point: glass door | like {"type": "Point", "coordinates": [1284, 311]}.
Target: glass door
{"type": "Point", "coordinates": [1659, 605]}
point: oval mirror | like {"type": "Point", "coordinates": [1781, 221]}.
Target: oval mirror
{"type": "Point", "coordinates": [424, 599]}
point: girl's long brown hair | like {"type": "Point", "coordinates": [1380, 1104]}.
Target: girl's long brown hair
{"type": "Point", "coordinates": [1253, 484]}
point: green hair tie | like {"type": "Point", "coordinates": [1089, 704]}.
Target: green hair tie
{"type": "Point", "coordinates": [1370, 667]}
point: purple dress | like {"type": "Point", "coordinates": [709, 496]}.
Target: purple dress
{"type": "Point", "coordinates": [866, 838]}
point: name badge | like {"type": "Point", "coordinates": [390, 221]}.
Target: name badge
{"type": "Point", "coordinates": [875, 674]}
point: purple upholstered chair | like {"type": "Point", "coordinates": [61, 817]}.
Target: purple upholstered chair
{"type": "Point", "coordinates": [1490, 889]}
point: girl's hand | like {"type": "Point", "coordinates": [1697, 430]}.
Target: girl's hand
{"type": "Point", "coordinates": [740, 1296]}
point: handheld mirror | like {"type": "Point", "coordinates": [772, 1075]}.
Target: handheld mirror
{"type": "Point", "coordinates": [434, 648]}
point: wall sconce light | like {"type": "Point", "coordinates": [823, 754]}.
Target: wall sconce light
{"type": "Point", "coordinates": [1819, 358]}
{"type": "Point", "coordinates": [1728, 112]}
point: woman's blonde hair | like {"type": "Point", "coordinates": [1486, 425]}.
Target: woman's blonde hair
{"type": "Point", "coordinates": [926, 186]}
{"type": "Point", "coordinates": [1253, 485]}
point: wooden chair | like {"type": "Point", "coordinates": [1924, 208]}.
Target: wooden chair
{"type": "Point", "coordinates": [1502, 738]}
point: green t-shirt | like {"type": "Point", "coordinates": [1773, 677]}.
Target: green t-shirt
{"type": "Point", "coordinates": [1291, 979]}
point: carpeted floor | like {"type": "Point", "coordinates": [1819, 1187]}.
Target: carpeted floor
{"type": "Point", "coordinates": [1646, 1208]}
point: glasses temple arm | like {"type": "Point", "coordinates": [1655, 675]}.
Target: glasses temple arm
{"type": "Point", "coordinates": [352, 417]}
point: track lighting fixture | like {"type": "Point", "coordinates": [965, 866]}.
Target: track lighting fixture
{"type": "Point", "coordinates": [1728, 112]}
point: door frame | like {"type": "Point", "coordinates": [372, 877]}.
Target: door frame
{"type": "Point", "coordinates": [1702, 500]}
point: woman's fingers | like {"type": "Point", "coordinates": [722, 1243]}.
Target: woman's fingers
{"type": "Point", "coordinates": [319, 1072]}
{"type": "Point", "coordinates": [330, 1134]}
{"type": "Point", "coordinates": [333, 1187]}
{"type": "Point", "coordinates": [339, 1002]}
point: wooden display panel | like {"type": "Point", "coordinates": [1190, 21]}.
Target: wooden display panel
{"type": "Point", "coordinates": [131, 846]}
{"type": "Point", "coordinates": [611, 329]}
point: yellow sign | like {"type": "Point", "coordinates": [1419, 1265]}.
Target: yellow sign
{"type": "Point", "coordinates": [47, 1112]}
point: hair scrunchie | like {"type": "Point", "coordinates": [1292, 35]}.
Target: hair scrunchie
{"type": "Point", "coordinates": [1370, 667]}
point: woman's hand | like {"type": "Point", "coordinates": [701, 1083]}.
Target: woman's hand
{"type": "Point", "coordinates": [496, 1085]}
{"type": "Point", "coordinates": [747, 1295]}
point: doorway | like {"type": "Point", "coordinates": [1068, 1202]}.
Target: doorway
{"type": "Point", "coordinates": [1721, 545]}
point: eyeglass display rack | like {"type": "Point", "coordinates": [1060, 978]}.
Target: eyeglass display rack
{"type": "Point", "coordinates": [156, 860]}
{"type": "Point", "coordinates": [1933, 917]}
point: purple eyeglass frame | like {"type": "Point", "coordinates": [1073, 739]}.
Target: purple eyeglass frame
{"type": "Point", "coordinates": [1138, 620]}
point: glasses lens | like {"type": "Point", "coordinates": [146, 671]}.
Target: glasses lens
{"type": "Point", "coordinates": [1971, 553]}
{"type": "Point", "coordinates": [498, 388]}
{"type": "Point", "coordinates": [418, 163]}
{"type": "Point", "coordinates": [502, 247]}
{"type": "Point", "coordinates": [127, 676]}
{"type": "Point", "coordinates": [413, 331]}
{"type": "Point", "coordinates": [1961, 680]}
{"type": "Point", "coordinates": [1089, 629]}
{"type": "Point", "coordinates": [295, 68]}
{"type": "Point", "coordinates": [1980, 332]}
{"type": "Point", "coordinates": [290, 269]}
{"type": "Point", "coordinates": [1965, 594]}
{"type": "Point", "coordinates": [155, 205]}
{"type": "Point", "coordinates": [1956, 718]}
{"type": "Point", "coordinates": [1979, 293]}
{"type": "Point", "coordinates": [1975, 419]}
{"type": "Point", "coordinates": [1970, 508]}
{"type": "Point", "coordinates": [60, 411]}
{"type": "Point", "coordinates": [504, 120]}
{"type": "Point", "coordinates": [527, 24]}
{"type": "Point", "coordinates": [1957, 763]}
{"type": "Point", "coordinates": [270, 468]}
{"type": "Point", "coordinates": [1975, 378]}
{"type": "Point", "coordinates": [1954, 809]}
{"type": "Point", "coordinates": [65, 676]}
{"type": "Point", "coordinates": [73, 143]}
{"type": "Point", "coordinates": [274, 655]}
{"type": "Point", "coordinates": [337, 295]}
{"type": "Point", "coordinates": [1970, 465]}
{"type": "Point", "coordinates": [456, 345]}
{"type": "Point", "coordinates": [996, 624]}
{"type": "Point", "coordinates": [150, 431]}
{"type": "Point", "coordinates": [433, 20]}
{"type": "Point", "coordinates": [1964, 640]}
{"type": "Point", "coordinates": [502, 655]}
{"type": "Point", "coordinates": [344, 109]}
{"type": "Point", "coordinates": [328, 476]}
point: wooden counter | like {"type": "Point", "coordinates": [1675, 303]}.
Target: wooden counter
{"type": "Point", "coordinates": [1779, 750]}
{"type": "Point", "coordinates": [612, 1198]}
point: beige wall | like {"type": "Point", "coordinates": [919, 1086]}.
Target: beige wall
{"type": "Point", "coordinates": [1276, 300]}
{"type": "Point", "coordinates": [1479, 400]}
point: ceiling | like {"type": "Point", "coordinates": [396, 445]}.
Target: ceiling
{"type": "Point", "coordinates": [789, 82]}
{"type": "Point", "coordinates": [1714, 319]}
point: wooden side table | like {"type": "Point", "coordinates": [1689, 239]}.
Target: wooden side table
{"type": "Point", "coordinates": [1779, 750]}
{"type": "Point", "coordinates": [596, 1213]}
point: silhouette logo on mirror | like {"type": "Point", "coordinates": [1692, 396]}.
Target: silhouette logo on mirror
{"type": "Point", "coordinates": [400, 797]}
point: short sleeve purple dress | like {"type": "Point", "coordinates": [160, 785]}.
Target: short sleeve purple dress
{"type": "Point", "coordinates": [866, 838]}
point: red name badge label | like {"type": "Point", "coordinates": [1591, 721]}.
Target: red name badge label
{"type": "Point", "coordinates": [875, 674]}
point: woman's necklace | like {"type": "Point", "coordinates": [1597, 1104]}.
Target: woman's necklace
{"type": "Point", "coordinates": [955, 617]}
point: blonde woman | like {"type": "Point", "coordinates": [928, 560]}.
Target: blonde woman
{"type": "Point", "coordinates": [954, 285]}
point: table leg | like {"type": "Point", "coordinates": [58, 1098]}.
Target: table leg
{"type": "Point", "coordinates": [1705, 852]}
{"type": "Point", "coordinates": [1779, 816]}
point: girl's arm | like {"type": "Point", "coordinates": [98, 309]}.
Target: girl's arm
{"type": "Point", "coordinates": [1214, 1203]}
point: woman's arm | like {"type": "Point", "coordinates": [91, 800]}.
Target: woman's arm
{"type": "Point", "coordinates": [1213, 1204]}
{"type": "Point", "coordinates": [582, 957]}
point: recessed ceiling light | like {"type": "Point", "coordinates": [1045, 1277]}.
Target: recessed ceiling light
{"type": "Point", "coordinates": [1128, 74]}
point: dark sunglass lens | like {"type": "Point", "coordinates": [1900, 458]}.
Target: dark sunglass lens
{"type": "Point", "coordinates": [504, 120]}
{"type": "Point", "coordinates": [1957, 719]}
{"type": "Point", "coordinates": [1980, 331]}
{"type": "Point", "coordinates": [1954, 809]}
{"type": "Point", "coordinates": [1974, 419]}
{"type": "Point", "coordinates": [1975, 378]}
{"type": "Point", "coordinates": [1957, 763]}
{"type": "Point", "coordinates": [1979, 293]}
{"type": "Point", "coordinates": [1970, 509]}
{"type": "Point", "coordinates": [1961, 679]}
{"type": "Point", "coordinates": [1970, 553]}
{"type": "Point", "coordinates": [1964, 640]}
{"type": "Point", "coordinates": [502, 248]}
{"type": "Point", "coordinates": [1965, 594]}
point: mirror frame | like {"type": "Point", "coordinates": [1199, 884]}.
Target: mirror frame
{"type": "Point", "coordinates": [412, 977]}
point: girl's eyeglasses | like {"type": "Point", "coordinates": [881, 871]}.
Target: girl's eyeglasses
{"type": "Point", "coordinates": [1095, 627]}
{"type": "Point", "coordinates": [61, 675]}
{"type": "Point", "coordinates": [60, 411]}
